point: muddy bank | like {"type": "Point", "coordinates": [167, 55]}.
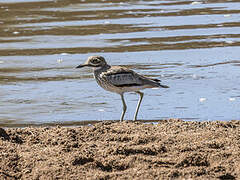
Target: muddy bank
{"type": "Point", "coordinates": [113, 150]}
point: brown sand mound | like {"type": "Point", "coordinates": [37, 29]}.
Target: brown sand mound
{"type": "Point", "coordinates": [114, 150]}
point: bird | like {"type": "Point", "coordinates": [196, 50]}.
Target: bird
{"type": "Point", "coordinates": [119, 79]}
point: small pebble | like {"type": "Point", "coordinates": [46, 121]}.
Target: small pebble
{"type": "Point", "coordinates": [194, 76]}
{"type": "Point", "coordinates": [232, 99]}
{"type": "Point", "coordinates": [59, 60]}
{"type": "Point", "coordinates": [202, 99]}
{"type": "Point", "coordinates": [227, 15]}
{"type": "Point", "coordinates": [196, 2]}
{"type": "Point", "coordinates": [64, 54]}
{"type": "Point", "coordinates": [229, 42]}
{"type": "Point", "coordinates": [106, 22]}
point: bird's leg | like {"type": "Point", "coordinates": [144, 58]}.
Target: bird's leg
{"type": "Point", "coordinates": [138, 105]}
{"type": "Point", "coordinates": [124, 107]}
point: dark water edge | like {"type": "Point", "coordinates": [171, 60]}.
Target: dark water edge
{"type": "Point", "coordinates": [92, 122]}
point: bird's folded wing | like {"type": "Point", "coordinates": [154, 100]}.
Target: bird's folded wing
{"type": "Point", "coordinates": [122, 77]}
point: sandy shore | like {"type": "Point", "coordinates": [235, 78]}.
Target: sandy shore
{"type": "Point", "coordinates": [113, 150]}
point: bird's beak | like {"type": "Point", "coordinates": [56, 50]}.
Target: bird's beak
{"type": "Point", "coordinates": [81, 65]}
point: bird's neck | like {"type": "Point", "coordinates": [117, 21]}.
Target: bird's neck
{"type": "Point", "coordinates": [101, 68]}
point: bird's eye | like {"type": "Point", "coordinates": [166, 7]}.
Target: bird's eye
{"type": "Point", "coordinates": [95, 61]}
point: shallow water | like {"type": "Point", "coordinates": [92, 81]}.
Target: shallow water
{"type": "Point", "coordinates": [193, 47]}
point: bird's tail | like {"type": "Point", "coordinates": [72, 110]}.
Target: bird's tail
{"type": "Point", "coordinates": [163, 86]}
{"type": "Point", "coordinates": [157, 81]}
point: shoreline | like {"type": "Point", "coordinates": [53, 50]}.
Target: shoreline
{"type": "Point", "coordinates": [92, 122]}
{"type": "Point", "coordinates": [172, 149]}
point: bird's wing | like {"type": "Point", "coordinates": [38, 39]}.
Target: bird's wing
{"type": "Point", "coordinates": [121, 76]}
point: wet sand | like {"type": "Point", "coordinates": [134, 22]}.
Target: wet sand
{"type": "Point", "coordinates": [172, 149]}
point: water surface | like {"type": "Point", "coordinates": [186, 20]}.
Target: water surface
{"type": "Point", "coordinates": [192, 46]}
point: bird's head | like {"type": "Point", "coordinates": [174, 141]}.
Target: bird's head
{"type": "Point", "coordinates": [94, 61]}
